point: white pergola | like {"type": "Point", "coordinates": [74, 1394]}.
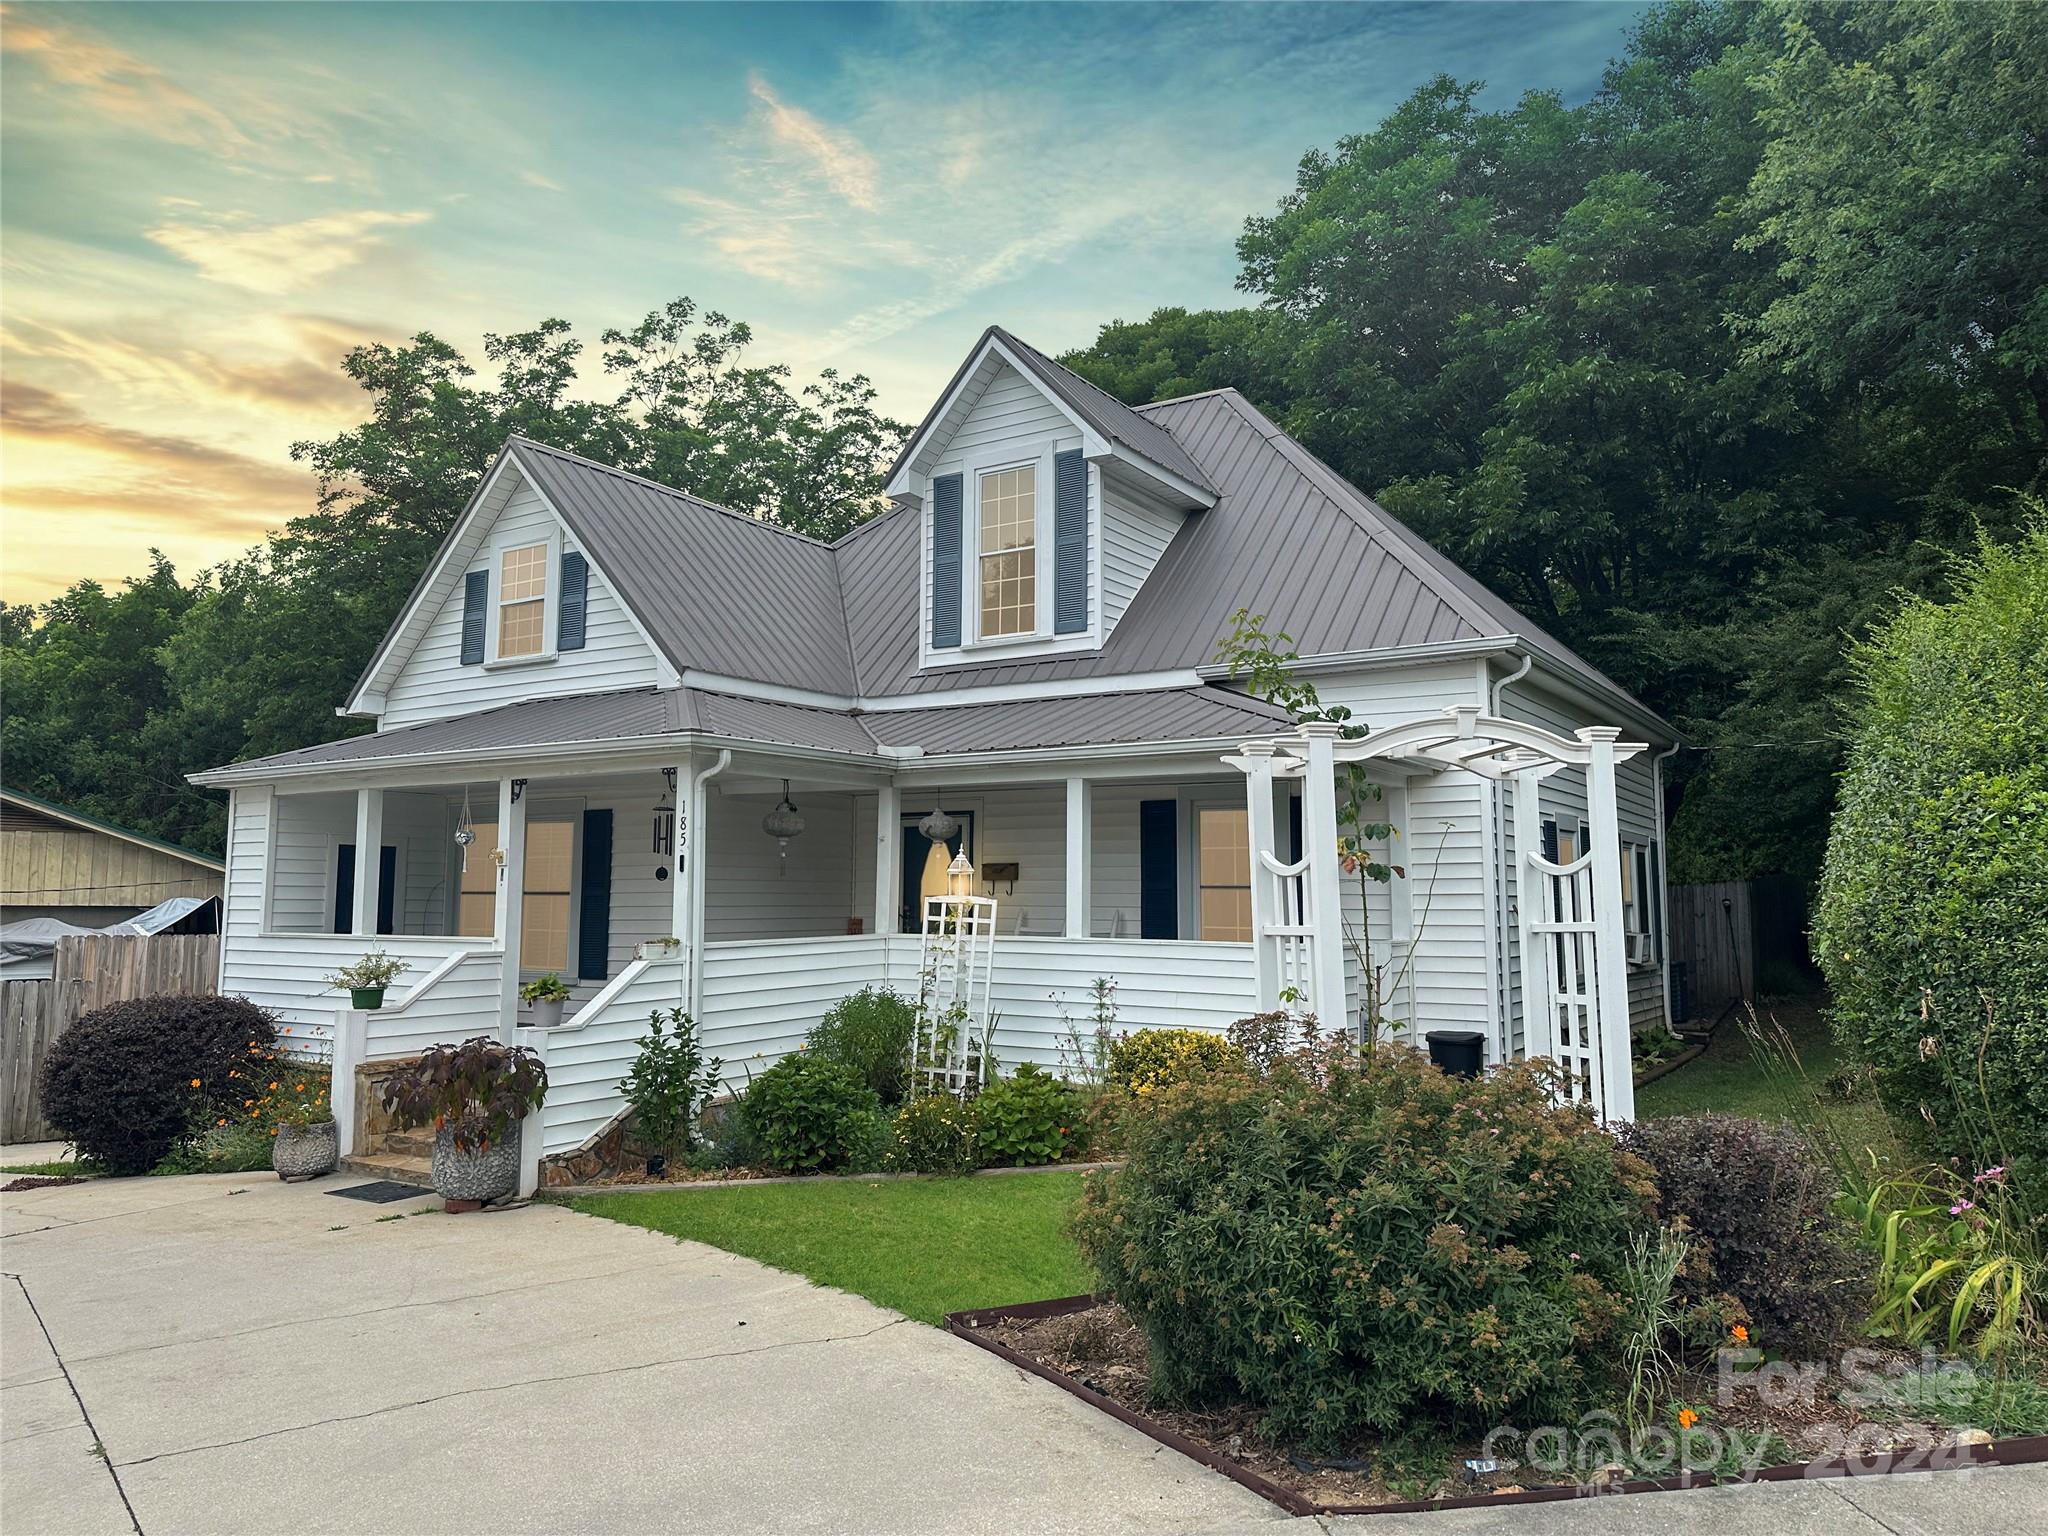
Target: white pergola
{"type": "Point", "coordinates": [1574, 965]}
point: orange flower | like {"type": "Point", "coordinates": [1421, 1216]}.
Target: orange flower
{"type": "Point", "coordinates": [298, 1087]}
{"type": "Point", "coordinates": [1741, 1334]}
{"type": "Point", "coordinates": [1687, 1418]}
{"type": "Point", "coordinates": [273, 1087]}
{"type": "Point", "coordinates": [220, 1122]}
{"type": "Point", "coordinates": [273, 1130]}
{"type": "Point", "coordinates": [195, 1082]}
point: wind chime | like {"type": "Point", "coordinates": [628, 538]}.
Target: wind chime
{"type": "Point", "coordinates": [782, 824]}
{"type": "Point", "coordinates": [665, 815]}
{"type": "Point", "coordinates": [465, 832]}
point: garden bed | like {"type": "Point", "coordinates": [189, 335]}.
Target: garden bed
{"type": "Point", "coordinates": [1091, 1349]}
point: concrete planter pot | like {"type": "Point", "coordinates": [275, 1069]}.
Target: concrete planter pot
{"type": "Point", "coordinates": [491, 1174]}
{"type": "Point", "coordinates": [547, 1012]}
{"type": "Point", "coordinates": [306, 1151]}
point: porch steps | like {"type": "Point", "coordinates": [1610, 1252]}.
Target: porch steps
{"type": "Point", "coordinates": [397, 1167]}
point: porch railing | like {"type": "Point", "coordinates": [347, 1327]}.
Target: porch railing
{"type": "Point", "coordinates": [287, 973]}
{"type": "Point", "coordinates": [588, 1057]}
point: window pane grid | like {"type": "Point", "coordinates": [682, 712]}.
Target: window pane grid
{"type": "Point", "coordinates": [522, 600]}
{"type": "Point", "coordinates": [1223, 861]}
{"type": "Point", "coordinates": [1009, 555]}
{"type": "Point", "coordinates": [544, 904]}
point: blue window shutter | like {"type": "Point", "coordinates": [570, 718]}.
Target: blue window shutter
{"type": "Point", "coordinates": [1070, 543]}
{"type": "Point", "coordinates": [476, 598]}
{"type": "Point", "coordinates": [1158, 869]}
{"type": "Point", "coordinates": [594, 928]}
{"type": "Point", "coordinates": [574, 602]}
{"type": "Point", "coordinates": [1550, 841]}
{"type": "Point", "coordinates": [945, 562]}
{"type": "Point", "coordinates": [345, 888]}
{"type": "Point", "coordinates": [387, 889]}
{"type": "Point", "coordinates": [1294, 829]}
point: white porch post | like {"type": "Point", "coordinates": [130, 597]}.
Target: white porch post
{"type": "Point", "coordinates": [1319, 847]}
{"type": "Point", "coordinates": [678, 858]}
{"type": "Point", "coordinates": [347, 1051]}
{"type": "Point", "coordinates": [1258, 789]}
{"type": "Point", "coordinates": [697, 858]}
{"type": "Point", "coordinates": [1080, 840]}
{"type": "Point", "coordinates": [1618, 1100]}
{"type": "Point", "coordinates": [888, 865]}
{"type": "Point", "coordinates": [510, 907]}
{"type": "Point", "coordinates": [369, 859]}
{"type": "Point", "coordinates": [1400, 903]}
{"type": "Point", "coordinates": [1539, 1013]}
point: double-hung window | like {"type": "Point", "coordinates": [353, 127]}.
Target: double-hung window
{"type": "Point", "coordinates": [1223, 872]}
{"type": "Point", "coordinates": [544, 901]}
{"type": "Point", "coordinates": [1007, 550]}
{"type": "Point", "coordinates": [522, 601]}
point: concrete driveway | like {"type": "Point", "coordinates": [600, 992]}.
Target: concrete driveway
{"type": "Point", "coordinates": [223, 1354]}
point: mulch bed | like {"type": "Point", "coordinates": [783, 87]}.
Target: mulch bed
{"type": "Point", "coordinates": [39, 1181]}
{"type": "Point", "coordinates": [1094, 1350]}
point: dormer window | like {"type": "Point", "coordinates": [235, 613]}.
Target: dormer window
{"type": "Point", "coordinates": [1008, 551]}
{"type": "Point", "coordinates": [523, 601]}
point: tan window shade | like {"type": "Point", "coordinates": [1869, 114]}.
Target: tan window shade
{"type": "Point", "coordinates": [1224, 873]}
{"type": "Point", "coordinates": [522, 601]}
{"type": "Point", "coordinates": [1009, 554]}
{"type": "Point", "coordinates": [544, 912]}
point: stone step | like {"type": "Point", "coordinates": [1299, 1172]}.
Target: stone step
{"type": "Point", "coordinates": [386, 1165]}
{"type": "Point", "coordinates": [406, 1143]}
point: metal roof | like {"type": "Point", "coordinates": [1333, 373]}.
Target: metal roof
{"type": "Point", "coordinates": [1203, 713]}
{"type": "Point", "coordinates": [14, 802]}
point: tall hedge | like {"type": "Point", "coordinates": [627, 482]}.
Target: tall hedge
{"type": "Point", "coordinates": [1932, 922]}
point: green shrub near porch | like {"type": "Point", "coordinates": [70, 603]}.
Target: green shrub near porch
{"type": "Point", "coordinates": [1932, 921]}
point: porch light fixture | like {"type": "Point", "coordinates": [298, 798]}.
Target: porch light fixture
{"type": "Point", "coordinates": [782, 824]}
{"type": "Point", "coordinates": [960, 876]}
{"type": "Point", "coordinates": [665, 815]}
{"type": "Point", "coordinates": [938, 827]}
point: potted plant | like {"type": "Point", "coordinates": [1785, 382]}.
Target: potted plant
{"type": "Point", "coordinates": [547, 994]}
{"type": "Point", "coordinates": [669, 1086]}
{"type": "Point", "coordinates": [474, 1095]}
{"type": "Point", "coordinates": [365, 981]}
{"type": "Point", "coordinates": [658, 949]}
{"type": "Point", "coordinates": [307, 1142]}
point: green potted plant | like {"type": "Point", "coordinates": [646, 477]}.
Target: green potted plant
{"type": "Point", "coordinates": [474, 1095]}
{"type": "Point", "coordinates": [546, 994]}
{"type": "Point", "coordinates": [665, 948]}
{"type": "Point", "coordinates": [365, 981]}
{"type": "Point", "coordinates": [668, 1087]}
{"type": "Point", "coordinates": [306, 1142]}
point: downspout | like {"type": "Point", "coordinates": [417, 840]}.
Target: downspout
{"type": "Point", "coordinates": [1663, 883]}
{"type": "Point", "coordinates": [1503, 873]}
{"type": "Point", "coordinates": [699, 848]}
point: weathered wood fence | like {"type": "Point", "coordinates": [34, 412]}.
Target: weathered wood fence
{"type": "Point", "coordinates": [87, 973]}
{"type": "Point", "coordinates": [1713, 935]}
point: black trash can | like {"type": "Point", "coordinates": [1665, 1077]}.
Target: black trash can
{"type": "Point", "coordinates": [1460, 1052]}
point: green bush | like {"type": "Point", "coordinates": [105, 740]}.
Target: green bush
{"type": "Point", "coordinates": [1929, 923]}
{"type": "Point", "coordinates": [130, 1081]}
{"type": "Point", "coordinates": [670, 1084]}
{"type": "Point", "coordinates": [240, 1146]}
{"type": "Point", "coordinates": [1147, 1060]}
{"type": "Point", "coordinates": [1357, 1244]}
{"type": "Point", "coordinates": [1025, 1119]}
{"type": "Point", "coordinates": [870, 1032]}
{"type": "Point", "coordinates": [1758, 1202]}
{"type": "Point", "coordinates": [935, 1134]}
{"type": "Point", "coordinates": [806, 1114]}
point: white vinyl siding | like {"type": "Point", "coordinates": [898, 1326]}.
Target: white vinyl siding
{"type": "Point", "coordinates": [1135, 533]}
{"type": "Point", "coordinates": [434, 684]}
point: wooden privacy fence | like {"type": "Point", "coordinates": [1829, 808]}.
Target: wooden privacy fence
{"type": "Point", "coordinates": [1713, 935]}
{"type": "Point", "coordinates": [87, 973]}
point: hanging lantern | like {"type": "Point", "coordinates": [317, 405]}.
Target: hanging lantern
{"type": "Point", "coordinates": [465, 833]}
{"type": "Point", "coordinates": [938, 827]}
{"type": "Point", "coordinates": [782, 824]}
{"type": "Point", "coordinates": [665, 816]}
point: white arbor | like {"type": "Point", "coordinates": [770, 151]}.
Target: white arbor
{"type": "Point", "coordinates": [1574, 964]}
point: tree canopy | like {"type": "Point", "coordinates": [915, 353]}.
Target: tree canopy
{"type": "Point", "coordinates": [1695, 373]}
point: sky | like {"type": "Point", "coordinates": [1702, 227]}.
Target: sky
{"type": "Point", "coordinates": [202, 207]}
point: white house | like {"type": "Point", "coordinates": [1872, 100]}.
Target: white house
{"type": "Point", "coordinates": [602, 687]}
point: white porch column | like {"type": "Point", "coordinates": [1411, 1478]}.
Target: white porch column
{"type": "Point", "coordinates": [1325, 913]}
{"type": "Point", "coordinates": [1618, 1096]}
{"type": "Point", "coordinates": [1539, 1014]}
{"type": "Point", "coordinates": [678, 858]}
{"type": "Point", "coordinates": [1258, 789]}
{"type": "Point", "coordinates": [888, 859]}
{"type": "Point", "coordinates": [348, 1049]}
{"type": "Point", "coordinates": [1400, 906]}
{"type": "Point", "coordinates": [697, 858]}
{"type": "Point", "coordinates": [1080, 865]}
{"type": "Point", "coordinates": [369, 859]}
{"type": "Point", "coordinates": [510, 906]}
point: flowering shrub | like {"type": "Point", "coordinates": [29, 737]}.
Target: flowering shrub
{"type": "Point", "coordinates": [806, 1114]}
{"type": "Point", "coordinates": [128, 1082]}
{"type": "Point", "coordinates": [1758, 1203]}
{"type": "Point", "coordinates": [1361, 1243]}
{"type": "Point", "coordinates": [1027, 1118]}
{"type": "Point", "coordinates": [935, 1133]}
{"type": "Point", "coordinates": [869, 1031]}
{"type": "Point", "coordinates": [1143, 1062]}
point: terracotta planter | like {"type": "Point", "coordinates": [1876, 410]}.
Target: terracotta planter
{"type": "Point", "coordinates": [367, 998]}
{"type": "Point", "coordinates": [306, 1151]}
{"type": "Point", "coordinates": [491, 1174]}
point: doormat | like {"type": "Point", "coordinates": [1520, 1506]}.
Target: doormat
{"type": "Point", "coordinates": [382, 1192]}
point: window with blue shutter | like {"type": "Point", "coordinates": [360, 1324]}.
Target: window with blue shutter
{"type": "Point", "coordinates": [946, 497]}
{"type": "Point", "coordinates": [569, 618]}
{"type": "Point", "coordinates": [476, 600]}
{"type": "Point", "coordinates": [1158, 869]}
{"type": "Point", "coordinates": [1070, 543]}
{"type": "Point", "coordinates": [594, 910]}
{"type": "Point", "coordinates": [345, 889]}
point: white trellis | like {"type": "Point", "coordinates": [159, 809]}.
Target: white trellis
{"type": "Point", "coordinates": [955, 968]}
{"type": "Point", "coordinates": [1573, 954]}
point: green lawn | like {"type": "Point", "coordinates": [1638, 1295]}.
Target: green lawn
{"type": "Point", "coordinates": [1729, 1078]}
{"type": "Point", "coordinates": [925, 1247]}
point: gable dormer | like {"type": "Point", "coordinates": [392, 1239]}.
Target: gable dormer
{"type": "Point", "coordinates": [1043, 505]}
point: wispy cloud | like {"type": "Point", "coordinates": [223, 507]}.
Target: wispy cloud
{"type": "Point", "coordinates": [279, 258]}
{"type": "Point", "coordinates": [543, 183]}
{"type": "Point", "coordinates": [832, 154]}
{"type": "Point", "coordinates": [116, 84]}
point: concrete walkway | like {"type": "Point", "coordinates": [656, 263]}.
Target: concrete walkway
{"type": "Point", "coordinates": [228, 1353]}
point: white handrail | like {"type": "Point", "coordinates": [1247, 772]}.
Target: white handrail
{"type": "Point", "coordinates": [608, 994]}
{"type": "Point", "coordinates": [434, 978]}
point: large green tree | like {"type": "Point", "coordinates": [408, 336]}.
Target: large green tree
{"type": "Point", "coordinates": [110, 698]}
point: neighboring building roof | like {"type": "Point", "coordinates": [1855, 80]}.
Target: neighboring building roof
{"type": "Point", "coordinates": [17, 808]}
{"type": "Point", "coordinates": [1204, 713]}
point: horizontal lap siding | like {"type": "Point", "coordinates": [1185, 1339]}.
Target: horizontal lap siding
{"type": "Point", "coordinates": [434, 683]}
{"type": "Point", "coordinates": [1135, 533]}
{"type": "Point", "coordinates": [750, 893]}
{"type": "Point", "coordinates": [1025, 826]}
{"type": "Point", "coordinates": [762, 997]}
{"type": "Point", "coordinates": [422, 828]}
{"type": "Point", "coordinates": [463, 1004]}
{"type": "Point", "coordinates": [287, 973]}
{"type": "Point", "coordinates": [302, 850]}
{"type": "Point", "coordinates": [586, 1064]}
